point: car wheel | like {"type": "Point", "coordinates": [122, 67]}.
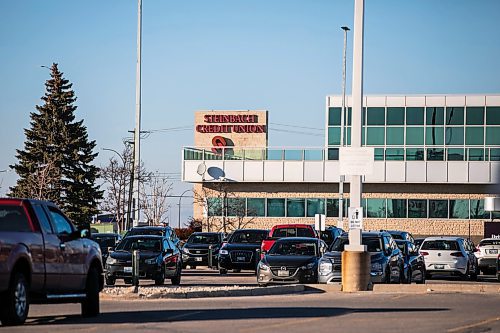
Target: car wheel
{"type": "Point", "coordinates": [90, 306]}
{"type": "Point", "coordinates": [473, 276]}
{"type": "Point", "coordinates": [409, 278]}
{"type": "Point", "coordinates": [110, 281]}
{"type": "Point", "coordinates": [176, 280]}
{"type": "Point", "coordinates": [466, 275]}
{"type": "Point", "coordinates": [160, 278]}
{"type": "Point", "coordinates": [422, 279]}
{"type": "Point", "coordinates": [387, 278]}
{"type": "Point", "coordinates": [222, 271]}
{"type": "Point", "coordinates": [15, 302]}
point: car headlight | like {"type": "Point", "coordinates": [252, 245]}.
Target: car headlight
{"type": "Point", "coordinates": [376, 267]}
{"type": "Point", "coordinates": [185, 250]}
{"type": "Point", "coordinates": [111, 261]}
{"type": "Point", "coordinates": [223, 252]}
{"type": "Point", "coordinates": [263, 266]}
{"type": "Point", "coordinates": [150, 261]}
{"type": "Point", "coordinates": [325, 266]}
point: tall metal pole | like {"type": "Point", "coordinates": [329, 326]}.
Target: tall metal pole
{"type": "Point", "coordinates": [137, 131]}
{"type": "Point", "coordinates": [340, 222]}
{"type": "Point", "coordinates": [180, 197]}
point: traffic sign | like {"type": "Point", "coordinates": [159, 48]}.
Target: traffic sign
{"type": "Point", "coordinates": [355, 217]}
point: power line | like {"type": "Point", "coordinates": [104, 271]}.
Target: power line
{"type": "Point", "coordinates": [295, 132]}
{"type": "Point", "coordinates": [295, 126]}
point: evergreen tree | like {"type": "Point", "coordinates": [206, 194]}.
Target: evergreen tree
{"type": "Point", "coordinates": [56, 161]}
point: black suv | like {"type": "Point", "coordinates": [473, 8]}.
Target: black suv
{"type": "Point", "coordinates": [330, 234]}
{"type": "Point", "coordinates": [241, 250]}
{"type": "Point", "coordinates": [387, 263]}
{"type": "Point", "coordinates": [196, 249]}
{"type": "Point", "coordinates": [106, 240]}
{"type": "Point", "coordinates": [164, 231]}
{"type": "Point", "coordinates": [159, 259]}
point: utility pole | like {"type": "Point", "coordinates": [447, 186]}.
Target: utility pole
{"type": "Point", "coordinates": [137, 131]}
{"type": "Point", "coordinates": [340, 223]}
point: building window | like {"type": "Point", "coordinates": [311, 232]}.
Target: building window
{"type": "Point", "coordinates": [492, 115]}
{"type": "Point", "coordinates": [414, 135]}
{"type": "Point", "coordinates": [476, 154]}
{"type": "Point", "coordinates": [295, 208]}
{"type": "Point", "coordinates": [395, 154]}
{"type": "Point", "coordinates": [477, 210]}
{"type": "Point", "coordinates": [395, 136]}
{"type": "Point", "coordinates": [454, 136]}
{"type": "Point", "coordinates": [395, 116]}
{"type": "Point", "coordinates": [332, 207]}
{"type": "Point", "coordinates": [276, 207]}
{"type": "Point", "coordinates": [256, 207]}
{"type": "Point", "coordinates": [379, 154]}
{"type": "Point", "coordinates": [274, 154]}
{"type": "Point", "coordinates": [492, 135]}
{"type": "Point", "coordinates": [474, 135]}
{"type": "Point", "coordinates": [414, 116]}
{"type": "Point", "coordinates": [334, 135]}
{"type": "Point", "coordinates": [396, 208]}
{"type": "Point", "coordinates": [236, 207]}
{"type": "Point", "coordinates": [375, 208]}
{"type": "Point", "coordinates": [333, 154]}
{"type": "Point", "coordinates": [495, 154]}
{"type": "Point", "coordinates": [459, 209]}
{"type": "Point", "coordinates": [214, 206]}
{"type": "Point", "coordinates": [414, 154]}
{"type": "Point", "coordinates": [474, 116]}
{"type": "Point", "coordinates": [434, 136]}
{"type": "Point", "coordinates": [438, 209]}
{"type": "Point", "coordinates": [435, 154]}
{"type": "Point", "coordinates": [454, 115]}
{"type": "Point", "coordinates": [375, 136]}
{"type": "Point", "coordinates": [315, 206]}
{"type": "Point", "coordinates": [334, 115]}
{"type": "Point", "coordinates": [434, 116]}
{"type": "Point", "coordinates": [455, 154]}
{"type": "Point", "coordinates": [417, 208]}
{"type": "Point", "coordinates": [376, 116]}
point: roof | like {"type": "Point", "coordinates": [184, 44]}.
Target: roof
{"type": "Point", "coordinates": [300, 225]}
{"type": "Point", "coordinates": [300, 239]}
{"type": "Point", "coordinates": [145, 236]}
{"type": "Point", "coordinates": [442, 238]}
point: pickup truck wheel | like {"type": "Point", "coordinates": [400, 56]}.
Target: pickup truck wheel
{"type": "Point", "coordinates": [176, 280]}
{"type": "Point", "coordinates": [222, 271]}
{"type": "Point", "coordinates": [90, 306]}
{"type": "Point", "coordinates": [160, 278]}
{"type": "Point", "coordinates": [110, 281]}
{"type": "Point", "coordinates": [15, 305]}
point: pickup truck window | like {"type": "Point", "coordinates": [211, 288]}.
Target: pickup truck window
{"type": "Point", "coordinates": [13, 218]}
{"type": "Point", "coordinates": [293, 232]}
{"type": "Point", "coordinates": [43, 219]}
{"type": "Point", "coordinates": [62, 225]}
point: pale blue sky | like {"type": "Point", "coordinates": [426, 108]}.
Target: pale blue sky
{"type": "Point", "coordinates": [283, 56]}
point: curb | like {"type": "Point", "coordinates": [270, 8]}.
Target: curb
{"type": "Point", "coordinates": [415, 288]}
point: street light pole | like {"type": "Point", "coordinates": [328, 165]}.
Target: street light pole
{"type": "Point", "coordinates": [340, 222]}
{"type": "Point", "coordinates": [180, 197]}
{"type": "Point", "coordinates": [137, 131]}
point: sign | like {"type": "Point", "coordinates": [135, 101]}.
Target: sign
{"type": "Point", "coordinates": [356, 161]}
{"type": "Point", "coordinates": [246, 123]}
{"type": "Point", "coordinates": [355, 217]}
{"type": "Point", "coordinates": [319, 222]}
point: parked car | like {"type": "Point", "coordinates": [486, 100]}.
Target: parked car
{"type": "Point", "coordinates": [414, 265]}
{"type": "Point", "coordinates": [159, 259]}
{"type": "Point", "coordinates": [487, 255]}
{"type": "Point", "coordinates": [44, 258]}
{"type": "Point", "coordinates": [241, 250]}
{"type": "Point", "coordinates": [164, 231]}
{"type": "Point", "coordinates": [418, 242]}
{"type": "Point", "coordinates": [448, 255]}
{"type": "Point", "coordinates": [287, 230]}
{"type": "Point", "coordinates": [291, 260]}
{"type": "Point", "coordinates": [399, 234]}
{"type": "Point", "coordinates": [106, 241]}
{"type": "Point", "coordinates": [386, 258]}
{"type": "Point", "coordinates": [196, 249]}
{"type": "Point", "coordinates": [330, 234]}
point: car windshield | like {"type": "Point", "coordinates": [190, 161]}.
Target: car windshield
{"type": "Point", "coordinates": [247, 237]}
{"type": "Point", "coordinates": [293, 232]}
{"type": "Point", "coordinates": [293, 248]}
{"type": "Point", "coordinates": [203, 239]}
{"type": "Point", "coordinates": [141, 244]}
{"type": "Point", "coordinates": [104, 241]}
{"type": "Point", "coordinates": [373, 244]}
{"type": "Point", "coordinates": [485, 242]}
{"type": "Point", "coordinates": [442, 245]}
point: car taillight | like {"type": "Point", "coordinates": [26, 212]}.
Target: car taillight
{"type": "Point", "coordinates": [424, 253]}
{"type": "Point", "coordinates": [456, 254]}
{"type": "Point", "coordinates": [170, 259]}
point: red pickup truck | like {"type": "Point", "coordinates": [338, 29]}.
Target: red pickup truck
{"type": "Point", "coordinates": [287, 230]}
{"type": "Point", "coordinates": [45, 259]}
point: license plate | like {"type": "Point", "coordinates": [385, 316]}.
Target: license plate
{"type": "Point", "coordinates": [439, 266]}
{"type": "Point", "coordinates": [197, 259]}
{"type": "Point", "coordinates": [127, 269]}
{"type": "Point", "coordinates": [494, 251]}
{"type": "Point", "coordinates": [240, 258]}
{"type": "Point", "coordinates": [282, 273]}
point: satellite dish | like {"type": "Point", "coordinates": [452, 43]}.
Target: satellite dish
{"type": "Point", "coordinates": [202, 168]}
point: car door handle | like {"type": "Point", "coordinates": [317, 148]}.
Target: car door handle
{"type": "Point", "coordinates": [62, 246]}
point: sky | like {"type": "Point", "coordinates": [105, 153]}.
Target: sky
{"type": "Point", "coordinates": [276, 55]}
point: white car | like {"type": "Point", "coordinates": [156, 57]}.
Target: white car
{"type": "Point", "coordinates": [448, 255]}
{"type": "Point", "coordinates": [487, 256]}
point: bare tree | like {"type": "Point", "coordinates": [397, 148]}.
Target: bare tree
{"type": "Point", "coordinates": [42, 182]}
{"type": "Point", "coordinates": [154, 194]}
